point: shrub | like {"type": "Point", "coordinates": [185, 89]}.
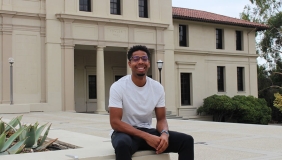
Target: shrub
{"type": "Point", "coordinates": [244, 109]}
{"type": "Point", "coordinates": [278, 101]}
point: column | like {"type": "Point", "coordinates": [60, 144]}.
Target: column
{"type": "Point", "coordinates": [100, 81]}
{"type": "Point", "coordinates": [68, 77]}
{"type": "Point", "coordinates": [6, 44]}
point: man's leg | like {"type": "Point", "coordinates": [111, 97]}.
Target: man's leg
{"type": "Point", "coordinates": [124, 146]}
{"type": "Point", "coordinates": [182, 144]}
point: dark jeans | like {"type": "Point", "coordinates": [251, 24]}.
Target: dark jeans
{"type": "Point", "coordinates": [125, 145]}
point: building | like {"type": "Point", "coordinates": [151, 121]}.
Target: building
{"type": "Point", "coordinates": [67, 53]}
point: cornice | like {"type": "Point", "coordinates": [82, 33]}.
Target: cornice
{"type": "Point", "coordinates": [14, 13]}
{"type": "Point", "coordinates": [63, 16]}
{"type": "Point", "coordinates": [212, 53]}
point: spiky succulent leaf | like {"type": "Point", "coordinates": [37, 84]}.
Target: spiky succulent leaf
{"type": "Point", "coordinates": [30, 134]}
{"type": "Point", "coordinates": [15, 148]}
{"type": "Point", "coordinates": [11, 139]}
{"type": "Point", "coordinates": [2, 127]}
{"type": "Point", "coordinates": [23, 135]}
{"type": "Point", "coordinates": [38, 133]}
{"type": "Point", "coordinates": [4, 153]}
{"type": "Point", "coordinates": [45, 145]}
{"type": "Point", "coordinates": [44, 136]}
{"type": "Point", "coordinates": [2, 140]}
{"type": "Point", "coordinates": [20, 149]}
{"type": "Point", "coordinates": [13, 123]}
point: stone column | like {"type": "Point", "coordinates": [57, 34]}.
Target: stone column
{"type": "Point", "coordinates": [43, 59]}
{"type": "Point", "coordinates": [68, 66]}
{"type": "Point", "coordinates": [100, 81]}
{"type": "Point", "coordinates": [6, 44]}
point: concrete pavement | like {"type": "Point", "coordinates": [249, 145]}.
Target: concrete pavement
{"type": "Point", "coordinates": [213, 140]}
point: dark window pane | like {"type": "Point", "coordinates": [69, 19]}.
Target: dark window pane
{"type": "Point", "coordinates": [182, 35]}
{"type": "Point", "coordinates": [218, 38]}
{"type": "Point", "coordinates": [92, 89]}
{"type": "Point", "coordinates": [117, 77]}
{"type": "Point", "coordinates": [238, 40]}
{"type": "Point", "coordinates": [240, 83]}
{"type": "Point", "coordinates": [85, 5]}
{"type": "Point", "coordinates": [220, 79]}
{"type": "Point", "coordinates": [143, 8]}
{"type": "Point", "coordinates": [185, 88]}
{"type": "Point", "coordinates": [115, 7]}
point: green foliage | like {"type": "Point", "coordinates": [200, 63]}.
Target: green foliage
{"type": "Point", "coordinates": [241, 108]}
{"type": "Point", "coordinates": [28, 136]}
{"type": "Point", "coordinates": [278, 101]}
{"type": "Point", "coordinates": [218, 106]}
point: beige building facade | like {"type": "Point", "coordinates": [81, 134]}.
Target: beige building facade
{"type": "Point", "coordinates": [67, 53]}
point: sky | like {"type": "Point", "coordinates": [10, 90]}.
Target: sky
{"type": "Point", "coordinates": [230, 8]}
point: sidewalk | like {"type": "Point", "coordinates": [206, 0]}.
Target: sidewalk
{"type": "Point", "coordinates": [213, 141]}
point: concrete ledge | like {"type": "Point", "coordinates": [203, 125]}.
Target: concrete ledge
{"type": "Point", "coordinates": [15, 108]}
{"type": "Point", "coordinates": [92, 148]}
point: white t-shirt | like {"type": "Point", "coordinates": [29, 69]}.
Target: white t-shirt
{"type": "Point", "coordinates": [138, 103]}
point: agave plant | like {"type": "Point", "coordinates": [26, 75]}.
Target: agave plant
{"type": "Point", "coordinates": [5, 145]}
{"type": "Point", "coordinates": [27, 136]}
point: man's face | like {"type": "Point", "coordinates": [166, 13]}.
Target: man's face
{"type": "Point", "coordinates": [139, 63]}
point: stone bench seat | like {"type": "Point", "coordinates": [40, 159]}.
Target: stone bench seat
{"type": "Point", "coordinates": [92, 148]}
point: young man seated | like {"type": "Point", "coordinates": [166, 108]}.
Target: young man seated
{"type": "Point", "coordinates": [133, 99]}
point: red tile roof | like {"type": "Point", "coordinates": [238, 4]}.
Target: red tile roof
{"type": "Point", "coordinates": [203, 16]}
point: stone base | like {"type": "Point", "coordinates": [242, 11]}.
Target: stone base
{"type": "Point", "coordinates": [15, 108]}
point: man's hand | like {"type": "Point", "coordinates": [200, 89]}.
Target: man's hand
{"type": "Point", "coordinates": [153, 141]}
{"type": "Point", "coordinates": [163, 144]}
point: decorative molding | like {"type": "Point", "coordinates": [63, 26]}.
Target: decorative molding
{"type": "Point", "coordinates": [62, 16]}
{"type": "Point", "coordinates": [206, 53]}
{"type": "Point", "coordinates": [185, 63]}
{"type": "Point", "coordinates": [14, 13]}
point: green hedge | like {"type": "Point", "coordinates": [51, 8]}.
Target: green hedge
{"type": "Point", "coordinates": [242, 109]}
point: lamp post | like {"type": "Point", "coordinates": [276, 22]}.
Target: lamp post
{"type": "Point", "coordinates": [160, 66]}
{"type": "Point", "coordinates": [11, 61]}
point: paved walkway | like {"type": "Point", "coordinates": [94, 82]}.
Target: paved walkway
{"type": "Point", "coordinates": [213, 141]}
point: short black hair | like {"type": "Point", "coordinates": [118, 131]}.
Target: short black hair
{"type": "Point", "coordinates": [137, 48]}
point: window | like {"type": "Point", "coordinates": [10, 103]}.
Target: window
{"type": "Point", "coordinates": [220, 79]}
{"type": "Point", "coordinates": [115, 7]}
{"type": "Point", "coordinates": [117, 77]}
{"type": "Point", "coordinates": [240, 78]}
{"type": "Point", "coordinates": [143, 8]}
{"type": "Point", "coordinates": [182, 35]}
{"type": "Point", "coordinates": [85, 5]}
{"type": "Point", "coordinates": [239, 40]}
{"type": "Point", "coordinates": [219, 38]}
{"type": "Point", "coordinates": [185, 88]}
{"type": "Point", "coordinates": [92, 88]}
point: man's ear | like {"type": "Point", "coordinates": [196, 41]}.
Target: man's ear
{"type": "Point", "coordinates": [129, 64]}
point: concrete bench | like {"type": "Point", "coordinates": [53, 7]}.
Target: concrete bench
{"type": "Point", "coordinates": [92, 148]}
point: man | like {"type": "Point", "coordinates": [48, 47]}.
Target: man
{"type": "Point", "coordinates": [133, 99]}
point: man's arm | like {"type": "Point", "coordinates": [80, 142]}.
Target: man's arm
{"type": "Point", "coordinates": [162, 125]}
{"type": "Point", "coordinates": [118, 125]}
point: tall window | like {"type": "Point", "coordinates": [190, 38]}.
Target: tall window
{"type": "Point", "coordinates": [92, 87]}
{"type": "Point", "coordinates": [185, 88]}
{"type": "Point", "coordinates": [143, 8]}
{"type": "Point", "coordinates": [182, 35]}
{"type": "Point", "coordinates": [240, 78]}
{"type": "Point", "coordinates": [220, 79]}
{"type": "Point", "coordinates": [85, 5]}
{"type": "Point", "coordinates": [239, 40]}
{"type": "Point", "coordinates": [219, 38]}
{"type": "Point", "coordinates": [115, 7]}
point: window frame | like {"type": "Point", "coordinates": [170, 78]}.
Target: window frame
{"type": "Point", "coordinates": [144, 7]}
{"type": "Point", "coordinates": [86, 5]}
{"type": "Point", "coordinates": [240, 79]}
{"type": "Point", "coordinates": [183, 36]}
{"type": "Point", "coordinates": [239, 40]}
{"type": "Point", "coordinates": [220, 78]}
{"type": "Point", "coordinates": [115, 7]}
{"type": "Point", "coordinates": [219, 38]}
{"type": "Point", "coordinates": [185, 89]}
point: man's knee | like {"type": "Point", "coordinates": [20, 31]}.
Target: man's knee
{"type": "Point", "coordinates": [121, 141]}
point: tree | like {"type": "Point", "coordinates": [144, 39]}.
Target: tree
{"type": "Point", "coordinates": [269, 42]}
{"type": "Point", "coordinates": [278, 101]}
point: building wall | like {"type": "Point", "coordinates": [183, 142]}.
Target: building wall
{"type": "Point", "coordinates": [201, 58]}
{"type": "Point", "coordinates": [55, 46]}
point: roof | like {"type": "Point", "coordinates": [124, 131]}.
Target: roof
{"type": "Point", "coordinates": [203, 16]}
